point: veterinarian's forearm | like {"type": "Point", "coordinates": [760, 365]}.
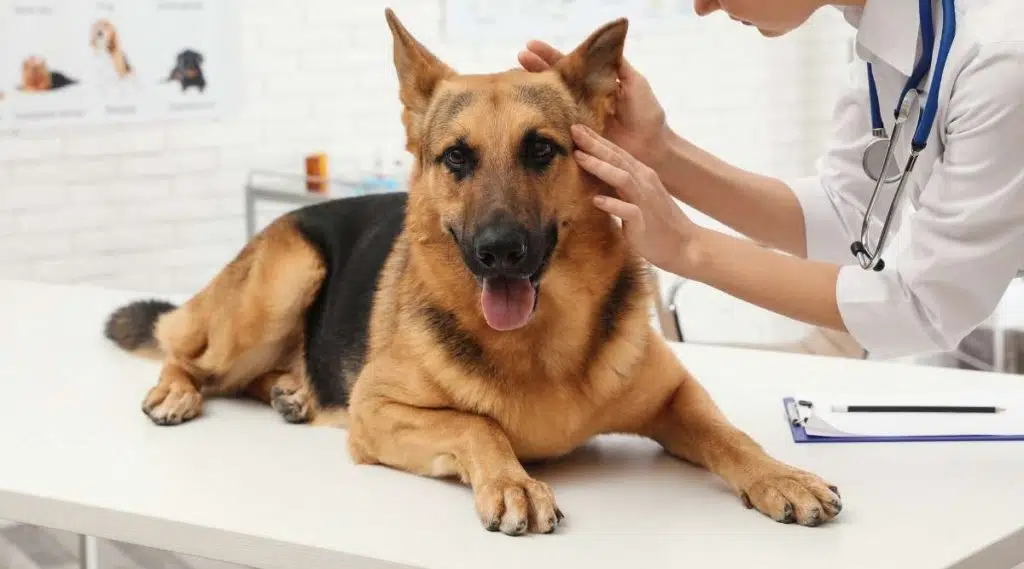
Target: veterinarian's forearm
{"type": "Point", "coordinates": [798, 288]}
{"type": "Point", "coordinates": [762, 208]}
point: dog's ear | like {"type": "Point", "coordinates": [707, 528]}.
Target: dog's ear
{"type": "Point", "coordinates": [591, 70]}
{"type": "Point", "coordinates": [112, 43]}
{"type": "Point", "coordinates": [419, 74]}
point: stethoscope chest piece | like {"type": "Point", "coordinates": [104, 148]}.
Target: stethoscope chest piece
{"type": "Point", "coordinates": [874, 157]}
{"type": "Point", "coordinates": [880, 151]}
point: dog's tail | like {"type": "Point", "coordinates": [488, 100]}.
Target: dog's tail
{"type": "Point", "coordinates": [132, 327]}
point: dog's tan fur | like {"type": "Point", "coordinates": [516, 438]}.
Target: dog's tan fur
{"type": "Point", "coordinates": [588, 363]}
{"type": "Point", "coordinates": [104, 36]}
{"type": "Point", "coordinates": [35, 75]}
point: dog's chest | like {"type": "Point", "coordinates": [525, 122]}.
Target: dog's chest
{"type": "Point", "coordinates": [544, 421]}
{"type": "Point", "coordinates": [539, 435]}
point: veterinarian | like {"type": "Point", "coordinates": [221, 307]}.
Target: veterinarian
{"type": "Point", "coordinates": [807, 258]}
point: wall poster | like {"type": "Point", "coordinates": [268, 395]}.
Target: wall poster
{"type": "Point", "coordinates": [65, 62]}
{"type": "Point", "coordinates": [475, 20]}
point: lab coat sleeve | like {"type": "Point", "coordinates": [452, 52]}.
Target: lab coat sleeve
{"type": "Point", "coordinates": [964, 243]}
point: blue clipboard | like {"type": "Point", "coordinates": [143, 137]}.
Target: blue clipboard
{"type": "Point", "coordinates": [800, 434]}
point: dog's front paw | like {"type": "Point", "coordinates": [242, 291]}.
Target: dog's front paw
{"type": "Point", "coordinates": [517, 505]}
{"type": "Point", "coordinates": [291, 402]}
{"type": "Point", "coordinates": [789, 495]}
{"type": "Point", "coordinates": [172, 405]}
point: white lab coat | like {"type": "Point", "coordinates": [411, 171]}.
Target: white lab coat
{"type": "Point", "coordinates": [962, 241]}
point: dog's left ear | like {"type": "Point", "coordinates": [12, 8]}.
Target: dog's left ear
{"type": "Point", "coordinates": [591, 70]}
{"type": "Point", "coordinates": [419, 74]}
{"type": "Point", "coordinates": [112, 44]}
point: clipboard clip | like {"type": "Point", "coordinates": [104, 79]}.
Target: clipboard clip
{"type": "Point", "coordinates": [793, 411]}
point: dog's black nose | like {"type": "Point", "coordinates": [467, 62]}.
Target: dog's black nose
{"type": "Point", "coordinates": [502, 247]}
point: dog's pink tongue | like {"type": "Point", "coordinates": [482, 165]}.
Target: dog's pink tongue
{"type": "Point", "coordinates": [507, 303]}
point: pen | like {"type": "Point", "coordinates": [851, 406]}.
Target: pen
{"type": "Point", "coordinates": [913, 409]}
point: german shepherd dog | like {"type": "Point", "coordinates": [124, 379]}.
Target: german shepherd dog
{"type": "Point", "coordinates": [490, 317]}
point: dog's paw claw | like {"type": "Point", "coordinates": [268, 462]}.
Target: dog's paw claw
{"type": "Point", "coordinates": [517, 506]}
{"type": "Point", "coordinates": [172, 406]}
{"type": "Point", "coordinates": [788, 516]}
{"type": "Point", "coordinates": [793, 496]}
{"type": "Point", "coordinates": [292, 404]}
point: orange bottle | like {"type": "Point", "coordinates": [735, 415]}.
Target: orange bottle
{"type": "Point", "coordinates": [316, 172]}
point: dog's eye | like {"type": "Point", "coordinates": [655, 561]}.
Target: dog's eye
{"type": "Point", "coordinates": [541, 150]}
{"type": "Point", "coordinates": [459, 160]}
{"type": "Point", "coordinates": [455, 158]}
{"type": "Point", "coordinates": [537, 152]}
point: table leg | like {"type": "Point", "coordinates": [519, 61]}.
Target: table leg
{"type": "Point", "coordinates": [250, 214]}
{"type": "Point", "coordinates": [88, 552]}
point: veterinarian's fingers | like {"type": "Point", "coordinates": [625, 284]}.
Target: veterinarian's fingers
{"type": "Point", "coordinates": [629, 76]}
{"type": "Point", "coordinates": [545, 51]}
{"type": "Point", "coordinates": [611, 175]}
{"type": "Point", "coordinates": [628, 73]}
{"type": "Point", "coordinates": [593, 143]}
{"type": "Point", "coordinates": [532, 62]}
{"type": "Point", "coordinates": [596, 148]}
{"type": "Point", "coordinates": [627, 212]}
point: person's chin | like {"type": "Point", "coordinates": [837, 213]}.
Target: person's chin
{"type": "Point", "coordinates": [771, 33]}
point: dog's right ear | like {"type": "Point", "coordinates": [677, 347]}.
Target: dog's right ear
{"type": "Point", "coordinates": [419, 74]}
{"type": "Point", "coordinates": [591, 70]}
{"type": "Point", "coordinates": [114, 43]}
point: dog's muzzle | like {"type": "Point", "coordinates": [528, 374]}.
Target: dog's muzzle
{"type": "Point", "coordinates": [508, 260]}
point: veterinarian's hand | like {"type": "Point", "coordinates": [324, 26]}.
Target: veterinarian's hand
{"type": "Point", "coordinates": [639, 123]}
{"type": "Point", "coordinates": [654, 225]}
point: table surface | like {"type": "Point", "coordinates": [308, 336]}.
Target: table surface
{"type": "Point", "coordinates": [240, 485]}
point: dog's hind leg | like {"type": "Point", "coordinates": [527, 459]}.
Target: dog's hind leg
{"type": "Point", "coordinates": [286, 393]}
{"type": "Point", "coordinates": [246, 325]}
{"type": "Point", "coordinates": [133, 328]}
{"type": "Point", "coordinates": [175, 398]}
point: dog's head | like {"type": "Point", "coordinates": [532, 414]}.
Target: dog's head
{"type": "Point", "coordinates": [494, 183]}
{"type": "Point", "coordinates": [190, 61]}
{"type": "Point", "coordinates": [103, 36]}
{"type": "Point", "coordinates": [35, 75]}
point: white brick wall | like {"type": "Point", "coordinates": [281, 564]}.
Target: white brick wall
{"type": "Point", "coordinates": [159, 206]}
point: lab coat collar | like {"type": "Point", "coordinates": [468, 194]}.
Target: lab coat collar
{"type": "Point", "coordinates": [888, 31]}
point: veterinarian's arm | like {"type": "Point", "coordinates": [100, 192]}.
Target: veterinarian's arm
{"type": "Point", "coordinates": [764, 209]}
{"type": "Point", "coordinates": [657, 229]}
{"type": "Point", "coordinates": [798, 288]}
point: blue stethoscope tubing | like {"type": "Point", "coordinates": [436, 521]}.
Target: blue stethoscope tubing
{"type": "Point", "coordinates": [871, 259]}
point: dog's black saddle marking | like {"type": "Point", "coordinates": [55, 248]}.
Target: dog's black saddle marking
{"type": "Point", "coordinates": [354, 236]}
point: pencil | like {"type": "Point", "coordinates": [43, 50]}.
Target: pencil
{"type": "Point", "coordinates": [913, 409]}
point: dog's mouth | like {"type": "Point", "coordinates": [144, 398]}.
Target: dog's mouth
{"type": "Point", "coordinates": [509, 301]}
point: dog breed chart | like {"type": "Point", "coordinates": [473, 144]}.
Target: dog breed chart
{"type": "Point", "coordinates": [108, 61]}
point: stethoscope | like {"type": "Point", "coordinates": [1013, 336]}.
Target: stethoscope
{"type": "Point", "coordinates": [878, 163]}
